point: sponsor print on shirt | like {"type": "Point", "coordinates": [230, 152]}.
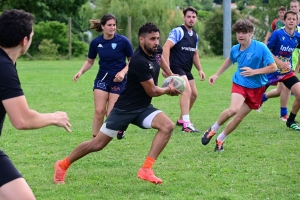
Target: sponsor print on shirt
{"type": "Point", "coordinates": [283, 59]}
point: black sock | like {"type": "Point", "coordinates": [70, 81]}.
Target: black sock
{"type": "Point", "coordinates": [291, 117]}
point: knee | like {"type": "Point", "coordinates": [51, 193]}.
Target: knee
{"type": "Point", "coordinates": [96, 146]}
{"type": "Point", "coordinates": [194, 95]}
{"type": "Point", "coordinates": [99, 112]}
{"type": "Point", "coordinates": [232, 111]}
{"type": "Point", "coordinates": [168, 127]}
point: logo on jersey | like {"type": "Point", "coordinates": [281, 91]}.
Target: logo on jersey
{"type": "Point", "coordinates": [283, 37]}
{"type": "Point", "coordinates": [188, 48]}
{"type": "Point", "coordinates": [158, 58]}
{"type": "Point", "coordinates": [150, 66]}
{"type": "Point", "coordinates": [249, 56]}
{"type": "Point", "coordinates": [100, 45]}
{"type": "Point", "coordinates": [113, 45]}
{"type": "Point", "coordinates": [286, 49]}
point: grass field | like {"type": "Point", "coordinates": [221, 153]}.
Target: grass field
{"type": "Point", "coordinates": [260, 161]}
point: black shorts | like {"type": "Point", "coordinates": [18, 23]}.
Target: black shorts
{"type": "Point", "coordinates": [8, 172]}
{"type": "Point", "coordinates": [120, 119]}
{"type": "Point", "coordinates": [182, 72]}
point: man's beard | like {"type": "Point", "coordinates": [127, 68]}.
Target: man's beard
{"type": "Point", "coordinates": [149, 50]}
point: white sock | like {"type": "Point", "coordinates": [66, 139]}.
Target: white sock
{"type": "Point", "coordinates": [221, 137]}
{"type": "Point", "coordinates": [186, 118]}
{"type": "Point", "coordinates": [216, 127]}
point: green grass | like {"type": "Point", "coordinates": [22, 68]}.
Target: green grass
{"type": "Point", "coordinates": [260, 161]}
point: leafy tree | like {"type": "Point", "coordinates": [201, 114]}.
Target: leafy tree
{"type": "Point", "coordinates": [165, 15]}
{"type": "Point", "coordinates": [266, 13]}
{"type": "Point", "coordinates": [214, 30]}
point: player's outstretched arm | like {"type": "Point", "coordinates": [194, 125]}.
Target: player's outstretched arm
{"type": "Point", "coordinates": [226, 64]}
{"type": "Point", "coordinates": [23, 118]}
{"type": "Point", "coordinates": [85, 67]}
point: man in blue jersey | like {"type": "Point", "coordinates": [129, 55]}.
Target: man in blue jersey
{"type": "Point", "coordinates": [180, 52]}
{"type": "Point", "coordinates": [282, 43]}
{"type": "Point", "coordinates": [281, 90]}
{"type": "Point", "coordinates": [254, 62]}
{"type": "Point", "coordinates": [134, 107]}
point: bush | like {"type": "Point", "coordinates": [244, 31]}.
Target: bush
{"type": "Point", "coordinates": [54, 33]}
{"type": "Point", "coordinates": [214, 30]}
{"type": "Point", "coordinates": [48, 50]}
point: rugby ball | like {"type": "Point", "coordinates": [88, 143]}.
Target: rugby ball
{"type": "Point", "coordinates": [179, 83]}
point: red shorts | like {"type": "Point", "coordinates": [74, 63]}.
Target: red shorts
{"type": "Point", "coordinates": [253, 96]}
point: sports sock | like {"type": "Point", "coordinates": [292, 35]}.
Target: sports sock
{"type": "Point", "coordinates": [65, 163]}
{"type": "Point", "coordinates": [216, 127]}
{"type": "Point", "coordinates": [221, 137]}
{"type": "Point", "coordinates": [283, 111]}
{"type": "Point", "coordinates": [264, 98]}
{"type": "Point", "coordinates": [148, 162]}
{"type": "Point", "coordinates": [291, 117]}
{"type": "Point", "coordinates": [186, 120]}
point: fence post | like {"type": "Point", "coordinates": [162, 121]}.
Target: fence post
{"type": "Point", "coordinates": [70, 36]}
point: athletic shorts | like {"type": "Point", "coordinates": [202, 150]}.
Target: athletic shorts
{"type": "Point", "coordinates": [8, 172]}
{"type": "Point", "coordinates": [119, 120]}
{"type": "Point", "coordinates": [182, 72]}
{"type": "Point", "coordinates": [288, 79]}
{"type": "Point", "coordinates": [253, 96]}
{"type": "Point", "coordinates": [106, 83]}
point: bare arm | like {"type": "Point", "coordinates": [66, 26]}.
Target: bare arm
{"type": "Point", "coordinates": [247, 71]}
{"type": "Point", "coordinates": [23, 118]}
{"type": "Point", "coordinates": [165, 67]}
{"type": "Point", "coordinates": [85, 67]}
{"type": "Point", "coordinates": [196, 61]}
{"type": "Point", "coordinates": [121, 74]}
{"type": "Point", "coordinates": [153, 91]}
{"type": "Point", "coordinates": [166, 51]}
{"type": "Point", "coordinates": [226, 64]}
{"type": "Point", "coordinates": [268, 35]}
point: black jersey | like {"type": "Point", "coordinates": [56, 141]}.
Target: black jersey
{"type": "Point", "coordinates": [141, 68]}
{"type": "Point", "coordinates": [10, 86]}
{"type": "Point", "coordinates": [182, 53]}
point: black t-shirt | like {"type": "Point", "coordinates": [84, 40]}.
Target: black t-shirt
{"type": "Point", "coordinates": [141, 68]}
{"type": "Point", "coordinates": [10, 86]}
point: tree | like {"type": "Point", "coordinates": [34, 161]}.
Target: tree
{"type": "Point", "coordinates": [214, 30]}
{"type": "Point", "coordinates": [162, 13]}
{"type": "Point", "coordinates": [265, 13]}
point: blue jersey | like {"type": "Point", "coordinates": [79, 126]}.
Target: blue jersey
{"type": "Point", "coordinates": [282, 46]}
{"type": "Point", "coordinates": [181, 54]}
{"type": "Point", "coordinates": [112, 53]}
{"type": "Point", "coordinates": [256, 56]}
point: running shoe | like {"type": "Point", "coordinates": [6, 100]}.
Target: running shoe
{"type": "Point", "coordinates": [189, 128]}
{"type": "Point", "coordinates": [284, 118]}
{"type": "Point", "coordinates": [219, 146]}
{"type": "Point", "coordinates": [179, 122]}
{"type": "Point", "coordinates": [59, 174]}
{"type": "Point", "coordinates": [121, 134]}
{"type": "Point", "coordinates": [293, 125]}
{"type": "Point", "coordinates": [208, 135]}
{"type": "Point", "coordinates": [147, 174]}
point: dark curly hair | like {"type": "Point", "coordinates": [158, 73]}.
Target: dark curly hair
{"type": "Point", "coordinates": [14, 26]}
{"type": "Point", "coordinates": [149, 27]}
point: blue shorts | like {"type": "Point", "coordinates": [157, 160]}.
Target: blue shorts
{"type": "Point", "coordinates": [106, 83]}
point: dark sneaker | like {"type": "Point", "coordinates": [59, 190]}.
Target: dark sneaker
{"type": "Point", "coordinates": [189, 129]}
{"type": "Point", "coordinates": [208, 135]}
{"type": "Point", "coordinates": [219, 146]}
{"type": "Point", "coordinates": [179, 123]}
{"type": "Point", "coordinates": [293, 125]}
{"type": "Point", "coordinates": [120, 135]}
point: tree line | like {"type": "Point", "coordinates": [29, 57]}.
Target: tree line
{"type": "Point", "coordinates": [51, 24]}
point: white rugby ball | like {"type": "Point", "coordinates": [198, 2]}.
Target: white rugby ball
{"type": "Point", "coordinates": [179, 83]}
